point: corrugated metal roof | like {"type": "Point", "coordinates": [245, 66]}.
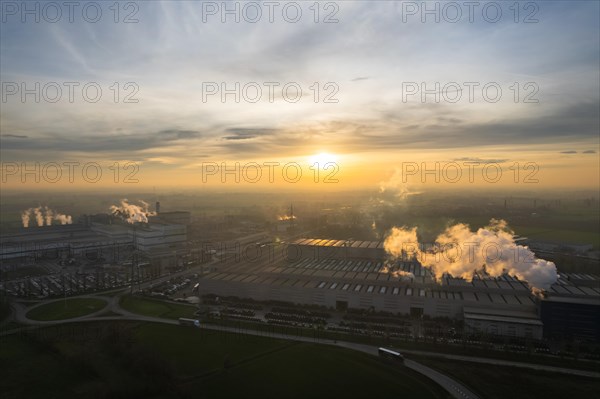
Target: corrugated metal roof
{"type": "Point", "coordinates": [517, 320]}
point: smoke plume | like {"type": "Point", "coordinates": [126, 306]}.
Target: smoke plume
{"type": "Point", "coordinates": [132, 213]}
{"type": "Point", "coordinates": [39, 217]}
{"type": "Point", "coordinates": [25, 218]}
{"type": "Point", "coordinates": [460, 252]}
{"type": "Point", "coordinates": [395, 188]}
{"type": "Point", "coordinates": [63, 219]}
{"type": "Point", "coordinates": [44, 216]}
{"type": "Point", "coordinates": [396, 273]}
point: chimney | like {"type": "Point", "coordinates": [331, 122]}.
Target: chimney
{"type": "Point", "coordinates": [157, 207]}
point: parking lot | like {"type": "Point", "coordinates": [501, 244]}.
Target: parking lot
{"type": "Point", "coordinates": [49, 278]}
{"type": "Point", "coordinates": [64, 284]}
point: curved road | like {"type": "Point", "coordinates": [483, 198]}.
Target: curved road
{"type": "Point", "coordinates": [455, 388]}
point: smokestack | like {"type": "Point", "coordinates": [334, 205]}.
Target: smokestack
{"type": "Point", "coordinates": [157, 207]}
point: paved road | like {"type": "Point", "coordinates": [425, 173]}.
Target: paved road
{"type": "Point", "coordinates": [500, 362]}
{"type": "Point", "coordinates": [455, 388]}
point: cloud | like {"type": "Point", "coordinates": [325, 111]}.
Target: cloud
{"type": "Point", "coordinates": [480, 160]}
{"type": "Point", "coordinates": [174, 134]}
{"type": "Point", "coordinates": [264, 131]}
{"type": "Point", "coordinates": [568, 152]}
{"type": "Point", "coordinates": [589, 152]}
{"type": "Point", "coordinates": [578, 122]}
{"type": "Point", "coordinates": [449, 120]}
{"type": "Point", "coordinates": [172, 52]}
{"type": "Point", "coordinates": [248, 133]}
{"type": "Point", "coordinates": [247, 137]}
{"type": "Point", "coordinates": [115, 143]}
{"type": "Point", "coordinates": [15, 136]}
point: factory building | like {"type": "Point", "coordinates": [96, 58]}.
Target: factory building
{"type": "Point", "coordinates": [97, 239]}
{"type": "Point", "coordinates": [355, 283]}
{"type": "Point", "coordinates": [568, 318]}
{"type": "Point", "coordinates": [503, 322]}
{"type": "Point", "coordinates": [60, 241]}
{"type": "Point", "coordinates": [159, 235]}
{"type": "Point", "coordinates": [352, 274]}
{"type": "Point", "coordinates": [147, 236]}
{"type": "Point", "coordinates": [337, 249]}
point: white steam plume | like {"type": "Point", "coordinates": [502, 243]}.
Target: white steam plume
{"type": "Point", "coordinates": [395, 273]}
{"type": "Point", "coordinates": [132, 213]}
{"type": "Point", "coordinates": [39, 217]}
{"type": "Point", "coordinates": [25, 217]}
{"type": "Point", "coordinates": [396, 186]}
{"type": "Point", "coordinates": [48, 214]}
{"type": "Point", "coordinates": [63, 219]}
{"type": "Point", "coordinates": [460, 252]}
{"type": "Point", "coordinates": [44, 216]}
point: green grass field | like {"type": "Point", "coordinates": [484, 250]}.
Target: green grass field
{"type": "Point", "coordinates": [409, 344]}
{"type": "Point", "coordinates": [499, 382]}
{"type": "Point", "coordinates": [11, 325]}
{"type": "Point", "coordinates": [310, 370]}
{"type": "Point", "coordinates": [152, 360]}
{"type": "Point", "coordinates": [156, 308]}
{"type": "Point", "coordinates": [109, 313]}
{"type": "Point", "coordinates": [201, 351]}
{"type": "Point", "coordinates": [22, 362]}
{"type": "Point", "coordinates": [255, 361]}
{"type": "Point", "coordinates": [111, 294]}
{"type": "Point", "coordinates": [66, 309]}
{"type": "Point", "coordinates": [4, 309]}
{"type": "Point", "coordinates": [559, 235]}
{"type": "Point", "coordinates": [574, 226]}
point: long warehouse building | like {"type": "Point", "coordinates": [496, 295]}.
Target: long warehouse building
{"type": "Point", "coordinates": [353, 276]}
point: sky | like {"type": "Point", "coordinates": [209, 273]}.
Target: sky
{"type": "Point", "coordinates": [369, 63]}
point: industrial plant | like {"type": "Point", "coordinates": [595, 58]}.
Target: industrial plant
{"type": "Point", "coordinates": [102, 236]}
{"type": "Point", "coordinates": [342, 274]}
{"type": "Point", "coordinates": [133, 244]}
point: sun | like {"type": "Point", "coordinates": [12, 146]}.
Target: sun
{"type": "Point", "coordinates": [322, 159]}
